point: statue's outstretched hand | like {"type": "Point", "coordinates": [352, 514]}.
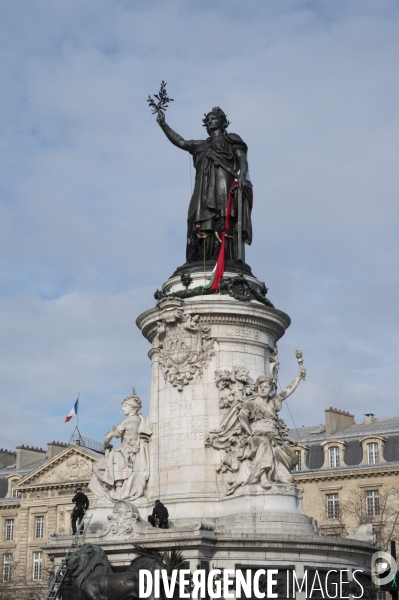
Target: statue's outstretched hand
{"type": "Point", "coordinates": [242, 182]}
{"type": "Point", "coordinates": [161, 118]}
{"type": "Point", "coordinates": [302, 374]}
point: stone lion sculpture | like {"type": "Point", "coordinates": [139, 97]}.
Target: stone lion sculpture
{"type": "Point", "coordinates": [93, 578]}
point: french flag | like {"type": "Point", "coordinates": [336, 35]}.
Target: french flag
{"type": "Point", "coordinates": [72, 412]}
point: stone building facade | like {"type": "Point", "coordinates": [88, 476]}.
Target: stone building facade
{"type": "Point", "coordinates": [36, 491]}
{"type": "Point", "coordinates": [348, 473]}
{"type": "Point", "coordinates": [342, 463]}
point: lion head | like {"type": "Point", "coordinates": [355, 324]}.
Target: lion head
{"type": "Point", "coordinates": [83, 561]}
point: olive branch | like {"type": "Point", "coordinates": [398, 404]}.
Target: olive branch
{"type": "Point", "coordinates": [163, 100]}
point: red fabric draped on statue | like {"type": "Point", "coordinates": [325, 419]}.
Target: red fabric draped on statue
{"type": "Point", "coordinates": [221, 260]}
{"type": "Point", "coordinates": [220, 264]}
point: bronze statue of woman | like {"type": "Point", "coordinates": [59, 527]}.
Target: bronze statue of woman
{"type": "Point", "coordinates": [219, 161]}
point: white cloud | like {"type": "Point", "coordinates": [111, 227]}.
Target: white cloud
{"type": "Point", "coordinates": [94, 198]}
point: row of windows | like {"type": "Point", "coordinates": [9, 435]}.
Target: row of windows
{"type": "Point", "coordinates": [37, 566]}
{"type": "Point", "coordinates": [372, 504]}
{"type": "Point", "coordinates": [373, 456]}
{"type": "Point", "coordinates": [39, 528]}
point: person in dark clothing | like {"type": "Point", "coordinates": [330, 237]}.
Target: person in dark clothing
{"type": "Point", "coordinates": [196, 243]}
{"type": "Point", "coordinates": [219, 230]}
{"type": "Point", "coordinates": [81, 505]}
{"type": "Point", "coordinates": [160, 515]}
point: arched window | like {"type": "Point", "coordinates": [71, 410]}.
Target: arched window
{"type": "Point", "coordinates": [334, 457]}
{"type": "Point", "coordinates": [373, 454]}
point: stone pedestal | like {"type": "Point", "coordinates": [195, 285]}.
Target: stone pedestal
{"type": "Point", "coordinates": [252, 526]}
{"type": "Point", "coordinates": [226, 333]}
{"type": "Point", "coordinates": [196, 340]}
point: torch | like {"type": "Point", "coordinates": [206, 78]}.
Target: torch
{"type": "Point", "coordinates": [299, 358]}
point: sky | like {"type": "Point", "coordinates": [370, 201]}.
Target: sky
{"type": "Point", "coordinates": [93, 198]}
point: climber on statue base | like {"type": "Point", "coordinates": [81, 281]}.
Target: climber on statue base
{"type": "Point", "coordinates": [160, 515]}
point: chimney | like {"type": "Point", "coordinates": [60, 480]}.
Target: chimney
{"type": "Point", "coordinates": [54, 448]}
{"type": "Point", "coordinates": [369, 417]}
{"type": "Point", "coordinates": [27, 455]}
{"type": "Point", "coordinates": [337, 419]}
{"type": "Point", "coordinates": [7, 457]}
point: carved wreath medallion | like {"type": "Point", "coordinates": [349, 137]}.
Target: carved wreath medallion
{"type": "Point", "coordinates": [123, 518]}
{"type": "Point", "coordinates": [185, 346]}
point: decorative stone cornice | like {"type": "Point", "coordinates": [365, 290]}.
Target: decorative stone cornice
{"type": "Point", "coordinates": [333, 442]}
{"type": "Point", "coordinates": [10, 504]}
{"type": "Point", "coordinates": [336, 474]}
{"type": "Point", "coordinates": [300, 446]}
{"type": "Point", "coordinates": [14, 476]}
{"type": "Point", "coordinates": [54, 486]}
{"type": "Point", "coordinates": [220, 312]}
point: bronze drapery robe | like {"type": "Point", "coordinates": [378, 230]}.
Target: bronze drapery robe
{"type": "Point", "coordinates": [212, 185]}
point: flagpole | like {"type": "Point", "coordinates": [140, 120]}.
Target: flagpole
{"type": "Point", "coordinates": [77, 414]}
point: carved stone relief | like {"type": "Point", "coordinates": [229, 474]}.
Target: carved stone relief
{"type": "Point", "coordinates": [253, 439]}
{"type": "Point", "coordinates": [73, 468]}
{"type": "Point", "coordinates": [124, 523]}
{"type": "Point", "coordinates": [234, 385]}
{"type": "Point", "coordinates": [123, 519]}
{"type": "Point", "coordinates": [185, 346]}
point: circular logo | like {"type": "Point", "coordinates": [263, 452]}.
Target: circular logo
{"type": "Point", "coordinates": [383, 568]}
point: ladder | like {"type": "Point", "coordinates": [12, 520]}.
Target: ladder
{"type": "Point", "coordinates": [61, 572]}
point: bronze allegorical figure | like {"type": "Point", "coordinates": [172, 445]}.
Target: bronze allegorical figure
{"type": "Point", "coordinates": [218, 160]}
